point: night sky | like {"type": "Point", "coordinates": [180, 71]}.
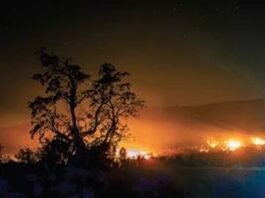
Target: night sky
{"type": "Point", "coordinates": [179, 52]}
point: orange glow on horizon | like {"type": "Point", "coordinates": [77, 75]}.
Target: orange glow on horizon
{"type": "Point", "coordinates": [236, 143]}
{"type": "Point", "coordinates": [134, 153]}
{"type": "Point", "coordinates": [212, 144]}
{"type": "Point", "coordinates": [233, 144]}
{"type": "Point", "coordinates": [257, 141]}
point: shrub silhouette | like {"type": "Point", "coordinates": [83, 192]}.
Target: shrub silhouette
{"type": "Point", "coordinates": [27, 156]}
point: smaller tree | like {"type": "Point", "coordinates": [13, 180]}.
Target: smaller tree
{"type": "Point", "coordinates": [55, 151]}
{"type": "Point", "coordinates": [1, 152]}
{"type": "Point", "coordinates": [27, 156]}
{"type": "Point", "coordinates": [123, 155]}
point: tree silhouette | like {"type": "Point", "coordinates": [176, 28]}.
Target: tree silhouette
{"type": "Point", "coordinates": [26, 155]}
{"type": "Point", "coordinates": [54, 151]}
{"type": "Point", "coordinates": [123, 156]}
{"type": "Point", "coordinates": [113, 101]}
{"type": "Point", "coordinates": [1, 152]}
{"type": "Point", "coordinates": [82, 112]}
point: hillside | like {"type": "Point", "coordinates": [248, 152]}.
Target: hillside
{"type": "Point", "coordinates": [187, 125]}
{"type": "Point", "coordinates": [242, 115]}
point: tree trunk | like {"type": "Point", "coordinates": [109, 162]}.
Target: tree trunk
{"type": "Point", "coordinates": [78, 140]}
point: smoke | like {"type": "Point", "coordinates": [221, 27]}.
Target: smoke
{"type": "Point", "coordinates": [162, 129]}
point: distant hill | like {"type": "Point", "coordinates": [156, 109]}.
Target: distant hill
{"type": "Point", "coordinates": [188, 125]}
{"type": "Point", "coordinates": [243, 115]}
{"type": "Point", "coordinates": [164, 128]}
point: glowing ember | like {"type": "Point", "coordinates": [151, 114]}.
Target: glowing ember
{"type": "Point", "coordinates": [233, 144]}
{"type": "Point", "coordinates": [203, 150]}
{"type": "Point", "coordinates": [212, 144]}
{"type": "Point", "coordinates": [134, 153]}
{"type": "Point", "coordinates": [257, 141]}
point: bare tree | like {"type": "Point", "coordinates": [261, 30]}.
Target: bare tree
{"type": "Point", "coordinates": [78, 110]}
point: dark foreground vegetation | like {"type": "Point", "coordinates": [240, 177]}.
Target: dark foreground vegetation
{"type": "Point", "coordinates": [195, 174]}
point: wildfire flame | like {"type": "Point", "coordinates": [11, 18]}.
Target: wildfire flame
{"type": "Point", "coordinates": [212, 144]}
{"type": "Point", "coordinates": [134, 153]}
{"type": "Point", "coordinates": [257, 141]}
{"type": "Point", "coordinates": [229, 144]}
{"type": "Point", "coordinates": [233, 144]}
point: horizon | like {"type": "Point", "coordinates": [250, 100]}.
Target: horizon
{"type": "Point", "coordinates": [152, 121]}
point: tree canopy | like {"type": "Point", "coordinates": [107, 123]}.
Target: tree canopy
{"type": "Point", "coordinates": [80, 110]}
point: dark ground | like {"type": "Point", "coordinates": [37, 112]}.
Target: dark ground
{"type": "Point", "coordinates": [147, 179]}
